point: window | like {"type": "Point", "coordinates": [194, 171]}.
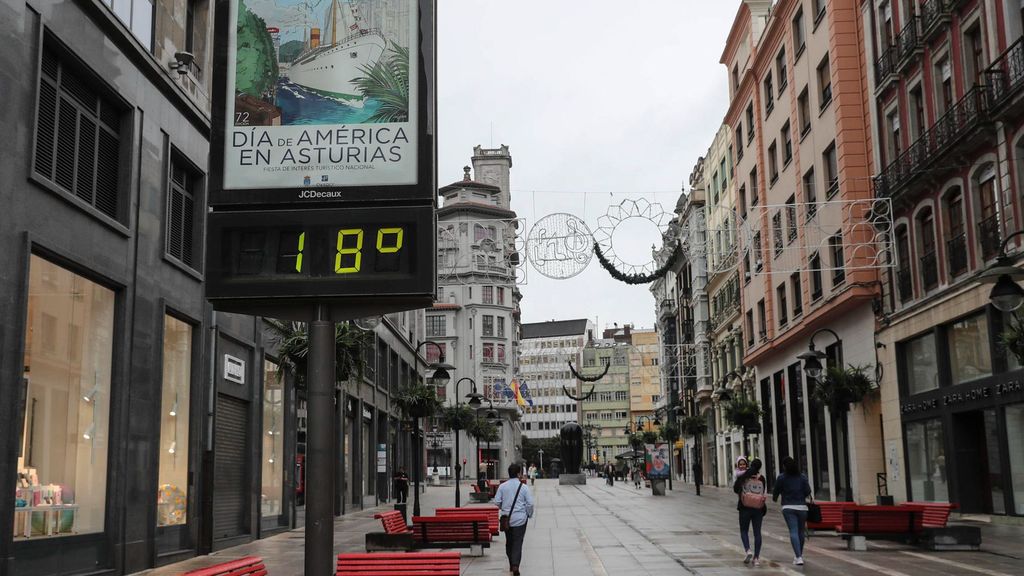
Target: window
{"type": "Point", "coordinates": [488, 327]}
{"type": "Point", "coordinates": [824, 83]}
{"type": "Point", "coordinates": [917, 118]}
{"type": "Point", "coordinates": [814, 267]}
{"type": "Point", "coordinates": [810, 193]}
{"type": "Point", "coordinates": [944, 88]}
{"type": "Point", "coordinates": [777, 232]}
{"type": "Point", "coordinates": [769, 95]}
{"type": "Point", "coordinates": [273, 464]}
{"type": "Point", "coordinates": [182, 217]}
{"type": "Point", "coordinates": [968, 348]}
{"type": "Point", "coordinates": [920, 364]}
{"type": "Point", "coordinates": [746, 268]}
{"type": "Point", "coordinates": [799, 35]}
{"type": "Point", "coordinates": [739, 142]}
{"type": "Point", "coordinates": [974, 54]}
{"type": "Point", "coordinates": [172, 495]}
{"type": "Point", "coordinates": [780, 70]}
{"type": "Point", "coordinates": [886, 28]}
{"type": "Point", "coordinates": [797, 292]}
{"type": "Point", "coordinates": [787, 144]}
{"type": "Point", "coordinates": [714, 188]}
{"type": "Point", "coordinates": [501, 326]}
{"type": "Point", "coordinates": [436, 353]}
{"type": "Point", "coordinates": [742, 199]}
{"type": "Point", "coordinates": [137, 15]}
{"type": "Point", "coordinates": [78, 137]}
{"type": "Point", "coordinates": [501, 296]}
{"type": "Point", "coordinates": [190, 26]}
{"type": "Point", "coordinates": [956, 245]}
{"type": "Point", "coordinates": [501, 353]}
{"type": "Point", "coordinates": [758, 258]}
{"type": "Point", "coordinates": [773, 163]}
{"type": "Point", "coordinates": [488, 294]}
{"type": "Point", "coordinates": [829, 161]}
{"type": "Point", "coordinates": [803, 111]}
{"type": "Point", "coordinates": [735, 78]}
{"type": "Point", "coordinates": [926, 247]}
{"type": "Point", "coordinates": [63, 453]}
{"type": "Point", "coordinates": [488, 352]}
{"type": "Point", "coordinates": [926, 461]}
{"type": "Point", "coordinates": [753, 186]}
{"type": "Point", "coordinates": [435, 325]}
{"type": "Point", "coordinates": [750, 122]}
{"type": "Point", "coordinates": [790, 219]}
{"type": "Point", "coordinates": [762, 322]}
{"type": "Point", "coordinates": [1015, 429]}
{"type": "Point", "coordinates": [780, 295]}
{"type": "Point", "coordinates": [988, 227]}
{"type": "Point", "coordinates": [750, 328]}
{"type": "Point", "coordinates": [892, 135]}
{"type": "Point", "coordinates": [819, 10]}
{"type": "Point", "coordinates": [835, 248]}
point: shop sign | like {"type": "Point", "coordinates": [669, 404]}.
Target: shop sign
{"type": "Point", "coordinates": [382, 457]}
{"type": "Point", "coordinates": [961, 397]}
{"type": "Point", "coordinates": [234, 369]}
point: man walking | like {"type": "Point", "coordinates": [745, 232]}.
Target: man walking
{"type": "Point", "coordinates": [515, 500]}
{"type": "Point", "coordinates": [401, 485]}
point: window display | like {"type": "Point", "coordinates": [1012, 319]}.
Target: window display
{"type": "Point", "coordinates": [926, 455]}
{"type": "Point", "coordinates": [172, 490]}
{"type": "Point", "coordinates": [62, 460]}
{"type": "Point", "coordinates": [969, 356]}
{"type": "Point", "coordinates": [273, 440]}
{"type": "Point", "coordinates": [1015, 430]}
{"type": "Point", "coordinates": [921, 364]}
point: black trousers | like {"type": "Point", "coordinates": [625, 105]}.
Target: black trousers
{"type": "Point", "coordinates": [402, 494]}
{"type": "Point", "coordinates": [514, 544]}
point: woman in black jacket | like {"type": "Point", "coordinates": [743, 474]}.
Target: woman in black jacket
{"type": "Point", "coordinates": [794, 489]}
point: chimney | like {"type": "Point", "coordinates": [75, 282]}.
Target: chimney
{"type": "Point", "coordinates": [314, 38]}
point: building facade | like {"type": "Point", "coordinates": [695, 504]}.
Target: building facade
{"type": "Point", "coordinates": [607, 408]}
{"type": "Point", "coordinates": [645, 386]}
{"type": "Point", "coordinates": [802, 141]}
{"type": "Point", "coordinates": [544, 353]}
{"type": "Point", "coordinates": [475, 321]}
{"type": "Point", "coordinates": [947, 104]}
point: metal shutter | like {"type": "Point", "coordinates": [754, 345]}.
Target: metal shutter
{"type": "Point", "coordinates": [230, 484]}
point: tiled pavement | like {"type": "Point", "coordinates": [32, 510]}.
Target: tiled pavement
{"type": "Point", "coordinates": [601, 530]}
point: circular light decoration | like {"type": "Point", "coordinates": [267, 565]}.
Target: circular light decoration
{"type": "Point", "coordinates": [560, 246]}
{"type": "Point", "coordinates": [615, 216]}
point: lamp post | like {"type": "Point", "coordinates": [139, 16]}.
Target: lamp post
{"type": "Point", "coordinates": [474, 402]}
{"type": "Point", "coordinates": [813, 369]}
{"type": "Point", "coordinates": [491, 416]}
{"type": "Point", "coordinates": [540, 452]}
{"type": "Point", "coordinates": [640, 429]}
{"type": "Point", "coordinates": [435, 445]}
{"type": "Point", "coordinates": [440, 379]}
{"type": "Point", "coordinates": [1006, 295]}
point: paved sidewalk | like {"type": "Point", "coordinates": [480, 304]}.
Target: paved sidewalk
{"type": "Point", "coordinates": [602, 530]}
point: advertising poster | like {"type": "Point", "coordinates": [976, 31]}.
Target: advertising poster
{"type": "Point", "coordinates": [657, 461]}
{"type": "Point", "coordinates": [324, 94]}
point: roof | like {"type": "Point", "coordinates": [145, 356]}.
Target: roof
{"type": "Point", "coordinates": [468, 184]}
{"type": "Point", "coordinates": [445, 306]}
{"type": "Point", "coordinates": [554, 328]}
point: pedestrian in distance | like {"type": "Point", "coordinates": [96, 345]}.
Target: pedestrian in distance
{"type": "Point", "coordinates": [533, 474]}
{"type": "Point", "coordinates": [515, 501]}
{"type": "Point", "coordinates": [698, 475]}
{"type": "Point", "coordinates": [682, 467]}
{"type": "Point", "coordinates": [636, 477]}
{"type": "Point", "coordinates": [401, 485]}
{"type": "Point", "coordinates": [751, 488]}
{"type": "Point", "coordinates": [794, 489]}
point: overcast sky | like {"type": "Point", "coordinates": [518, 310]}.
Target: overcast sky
{"type": "Point", "coordinates": [599, 101]}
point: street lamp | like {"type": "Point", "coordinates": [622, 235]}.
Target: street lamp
{"type": "Point", "coordinates": [442, 370]}
{"type": "Point", "coordinates": [1006, 295]}
{"type": "Point", "coordinates": [812, 358]}
{"type": "Point", "coordinates": [493, 417]}
{"type": "Point", "coordinates": [474, 401]}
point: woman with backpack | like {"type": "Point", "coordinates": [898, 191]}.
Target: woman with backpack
{"type": "Point", "coordinates": [752, 490]}
{"type": "Point", "coordinates": [794, 489]}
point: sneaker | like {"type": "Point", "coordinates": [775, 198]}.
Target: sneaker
{"type": "Point", "coordinates": [748, 558]}
{"type": "Point", "coordinates": [757, 562]}
{"type": "Point", "coordinates": [799, 561]}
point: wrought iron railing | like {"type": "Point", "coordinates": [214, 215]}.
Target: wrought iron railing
{"type": "Point", "coordinates": [934, 13]}
{"type": "Point", "coordinates": [1005, 77]}
{"type": "Point", "coordinates": [988, 237]}
{"type": "Point", "coordinates": [908, 41]}
{"type": "Point", "coordinates": [885, 64]}
{"type": "Point", "coordinates": [929, 270]}
{"type": "Point", "coordinates": [956, 254]}
{"type": "Point", "coordinates": [961, 118]}
{"type": "Point", "coordinates": [904, 284]}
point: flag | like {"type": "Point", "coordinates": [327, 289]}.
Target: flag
{"type": "Point", "coordinates": [525, 392]}
{"type": "Point", "coordinates": [516, 392]}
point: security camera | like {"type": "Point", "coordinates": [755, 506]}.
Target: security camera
{"type": "Point", "coordinates": [182, 62]}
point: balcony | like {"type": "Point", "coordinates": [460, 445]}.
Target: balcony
{"type": "Point", "coordinates": [935, 15]}
{"type": "Point", "coordinates": [988, 237]}
{"type": "Point", "coordinates": [667, 308]}
{"type": "Point", "coordinates": [908, 44]}
{"type": "Point", "coordinates": [955, 130]}
{"type": "Point", "coordinates": [904, 284]}
{"type": "Point", "coordinates": [885, 68]}
{"type": "Point", "coordinates": [687, 331]}
{"type": "Point", "coordinates": [929, 270]}
{"type": "Point", "coordinates": [956, 254]}
{"type": "Point", "coordinates": [1005, 79]}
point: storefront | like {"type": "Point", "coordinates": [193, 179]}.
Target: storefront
{"type": "Point", "coordinates": [962, 413]}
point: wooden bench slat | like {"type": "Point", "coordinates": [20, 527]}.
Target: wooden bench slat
{"type": "Point", "coordinates": [399, 564]}
{"type": "Point", "coordinates": [248, 566]}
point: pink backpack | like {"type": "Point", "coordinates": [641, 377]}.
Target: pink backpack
{"type": "Point", "coordinates": [753, 495]}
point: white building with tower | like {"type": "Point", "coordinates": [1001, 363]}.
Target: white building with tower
{"type": "Point", "coordinates": [544, 353]}
{"type": "Point", "coordinates": [475, 321]}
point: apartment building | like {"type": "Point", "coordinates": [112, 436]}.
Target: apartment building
{"type": "Point", "coordinates": [947, 100]}
{"type": "Point", "coordinates": [802, 146]}
{"type": "Point", "coordinates": [607, 408]}
{"type": "Point", "coordinates": [544, 353]}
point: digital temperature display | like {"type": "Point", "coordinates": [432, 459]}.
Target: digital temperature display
{"type": "Point", "coordinates": [321, 253]}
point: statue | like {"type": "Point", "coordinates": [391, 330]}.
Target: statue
{"type": "Point", "coordinates": [572, 447]}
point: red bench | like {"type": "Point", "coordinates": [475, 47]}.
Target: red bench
{"type": "Point", "coordinates": [393, 522]}
{"type": "Point", "coordinates": [831, 515]}
{"type": "Point", "coordinates": [452, 532]}
{"type": "Point", "coordinates": [490, 511]}
{"type": "Point", "coordinates": [936, 514]}
{"type": "Point", "coordinates": [401, 564]}
{"type": "Point", "coordinates": [248, 566]}
{"type": "Point", "coordinates": [903, 523]}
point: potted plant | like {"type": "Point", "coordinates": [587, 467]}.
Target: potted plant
{"type": "Point", "coordinates": [841, 387]}
{"type": "Point", "coordinates": [459, 417]}
{"type": "Point", "coordinates": [693, 426]}
{"type": "Point", "coordinates": [292, 340]}
{"type": "Point", "coordinates": [418, 401]}
{"type": "Point", "coordinates": [1012, 338]}
{"type": "Point", "coordinates": [669, 433]}
{"type": "Point", "coordinates": [742, 412]}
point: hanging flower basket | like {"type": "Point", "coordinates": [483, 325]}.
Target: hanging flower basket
{"type": "Point", "coordinates": [669, 433]}
{"type": "Point", "coordinates": [841, 387]}
{"type": "Point", "coordinates": [457, 417]}
{"type": "Point", "coordinates": [418, 401]}
{"type": "Point", "coordinates": [693, 426]}
{"type": "Point", "coordinates": [742, 412]}
{"type": "Point", "coordinates": [1012, 338]}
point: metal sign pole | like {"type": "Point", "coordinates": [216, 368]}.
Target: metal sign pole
{"type": "Point", "coordinates": [320, 463]}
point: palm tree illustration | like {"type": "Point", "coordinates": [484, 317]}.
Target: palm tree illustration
{"type": "Point", "coordinates": [387, 82]}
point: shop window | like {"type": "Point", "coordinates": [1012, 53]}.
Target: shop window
{"type": "Point", "coordinates": [926, 461]}
{"type": "Point", "coordinates": [968, 348]}
{"type": "Point", "coordinates": [1015, 430]}
{"type": "Point", "coordinates": [62, 462]}
{"type": "Point", "coordinates": [272, 491]}
{"type": "Point", "coordinates": [78, 137]}
{"type": "Point", "coordinates": [172, 491]}
{"type": "Point", "coordinates": [921, 364]}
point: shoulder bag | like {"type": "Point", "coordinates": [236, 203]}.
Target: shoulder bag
{"type": "Point", "coordinates": [503, 521]}
{"type": "Point", "coordinates": [813, 511]}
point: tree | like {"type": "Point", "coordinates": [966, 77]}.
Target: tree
{"type": "Point", "coordinates": [457, 417]}
{"type": "Point", "coordinates": [387, 82]}
{"type": "Point", "coordinates": [532, 447]}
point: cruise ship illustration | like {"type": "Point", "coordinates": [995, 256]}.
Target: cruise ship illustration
{"type": "Point", "coordinates": [329, 64]}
